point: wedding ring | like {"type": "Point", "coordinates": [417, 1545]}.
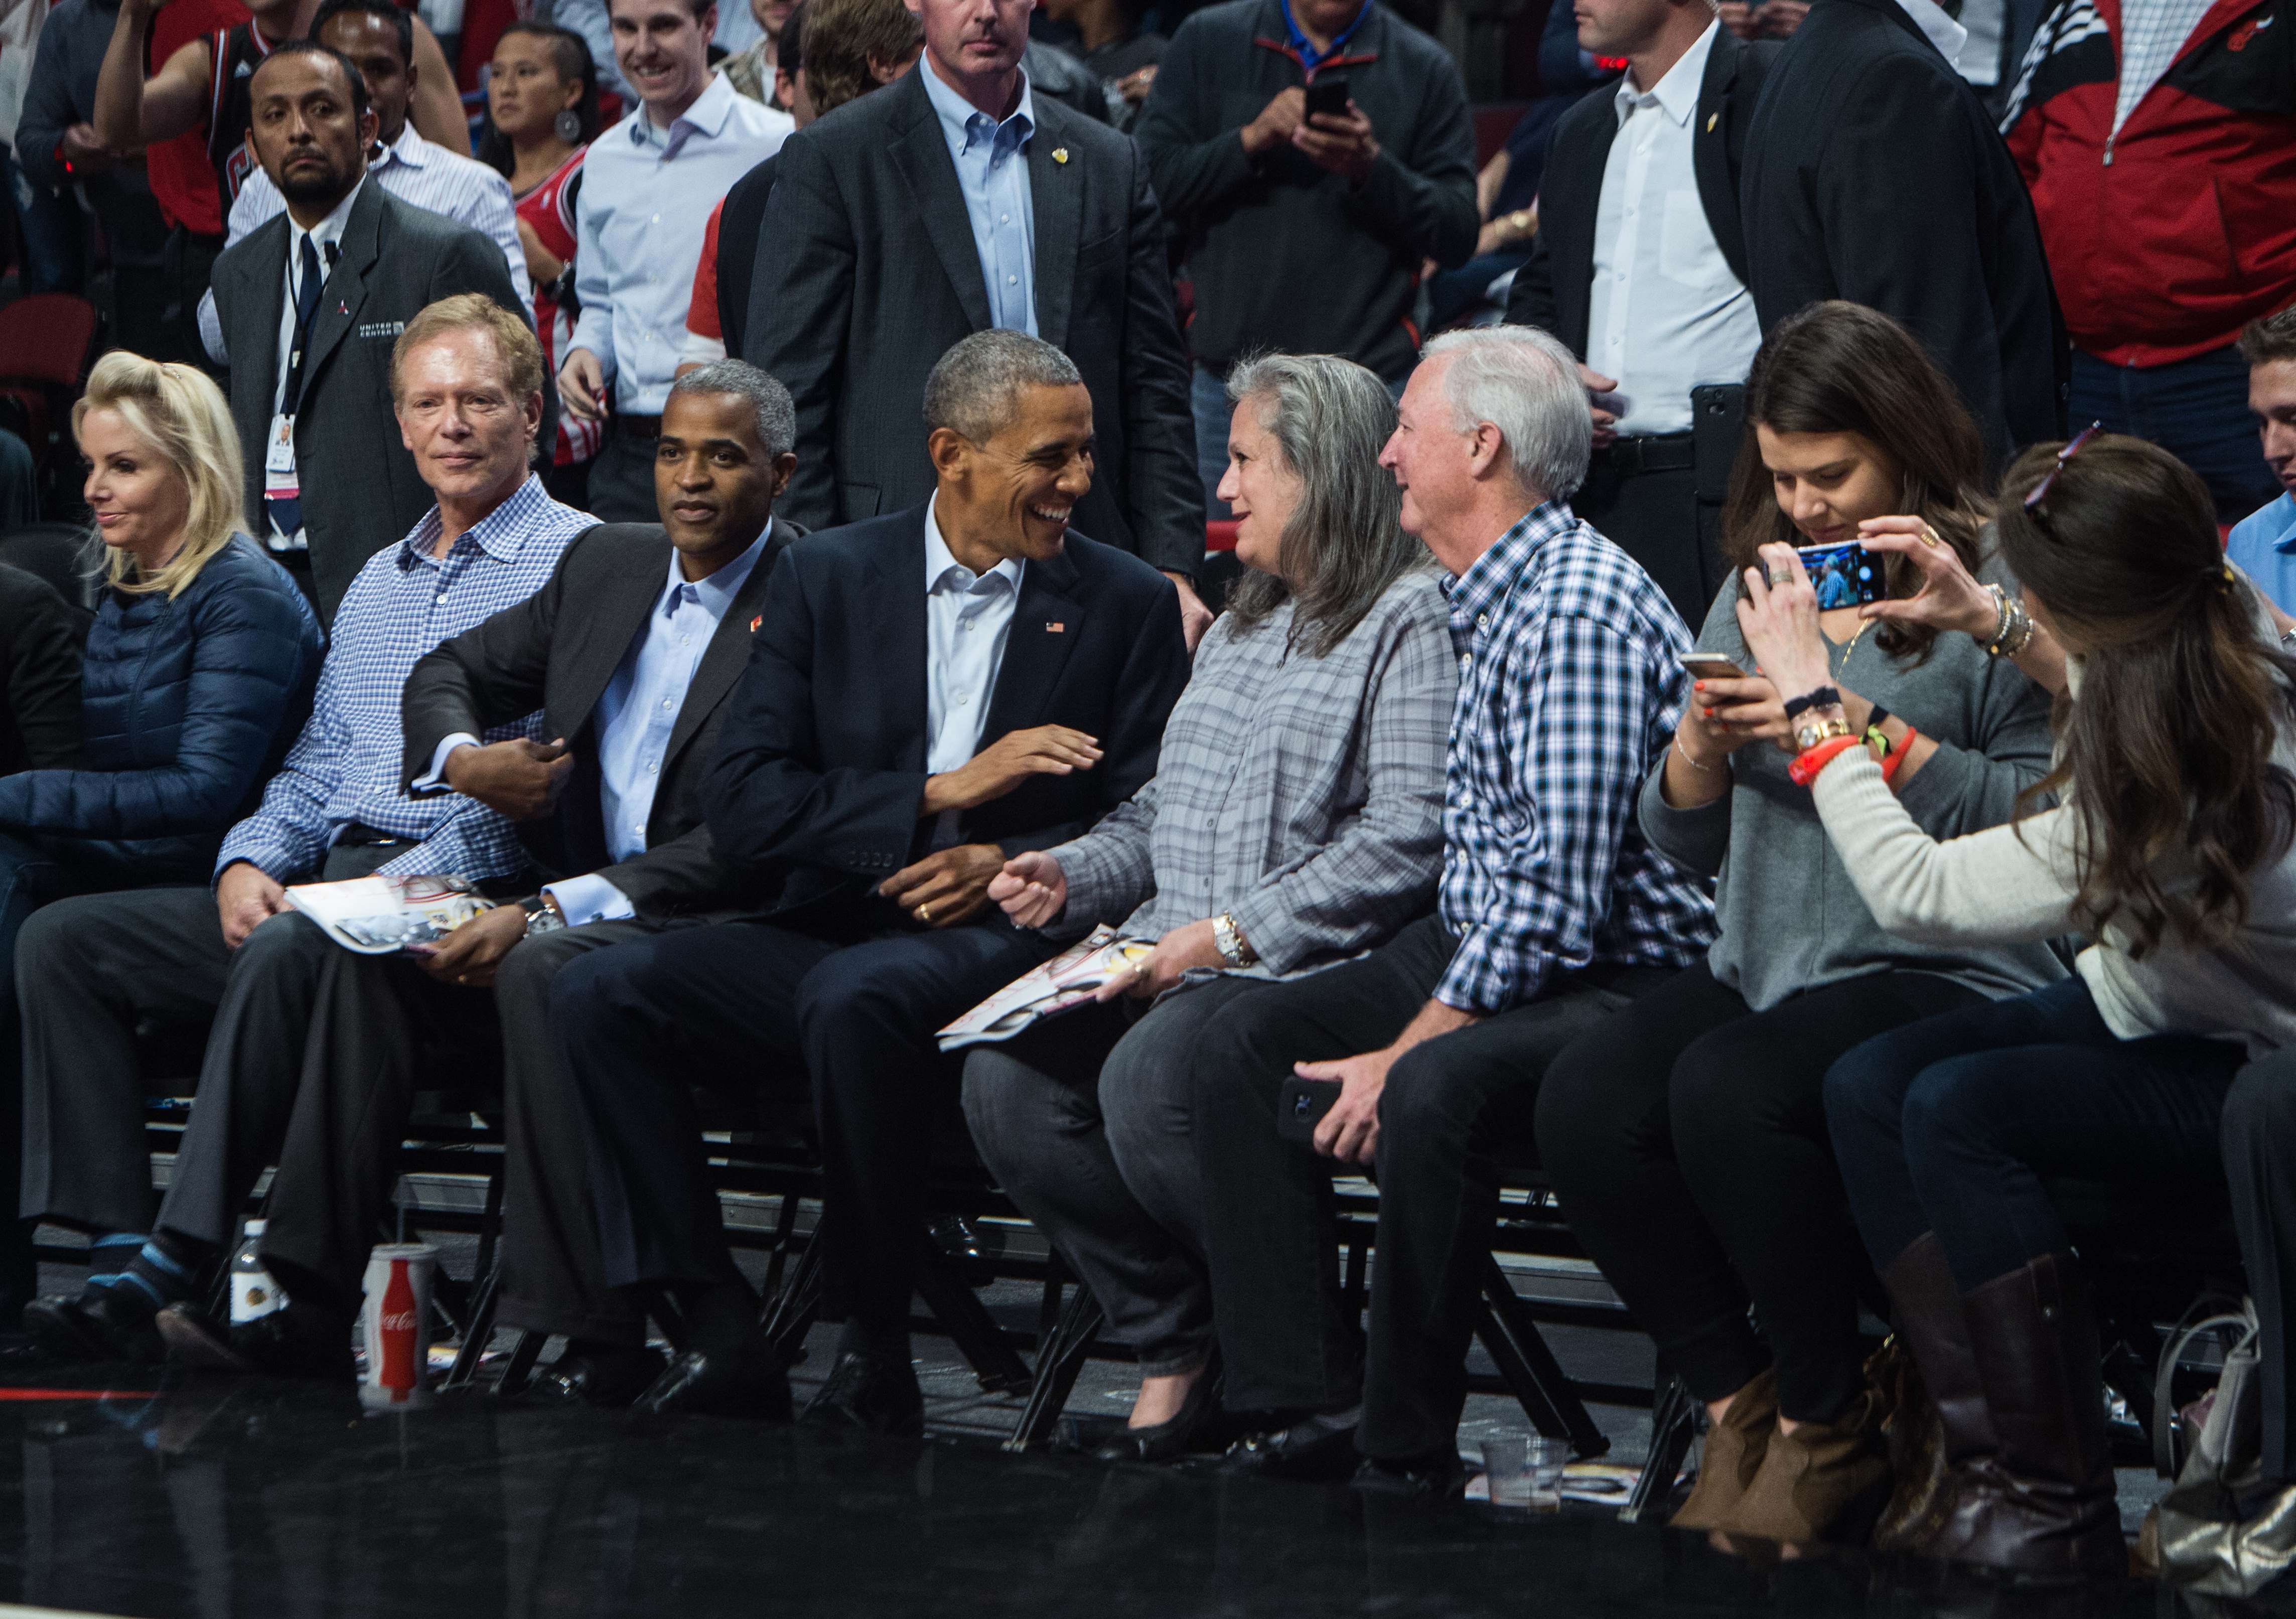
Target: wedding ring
{"type": "Point", "coordinates": [1777, 579]}
{"type": "Point", "coordinates": [924, 913]}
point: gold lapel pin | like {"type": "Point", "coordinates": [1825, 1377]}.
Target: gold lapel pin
{"type": "Point", "coordinates": [1060, 154]}
{"type": "Point", "coordinates": [1712, 118]}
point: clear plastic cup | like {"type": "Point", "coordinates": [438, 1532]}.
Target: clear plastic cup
{"type": "Point", "coordinates": [1506, 1469]}
{"type": "Point", "coordinates": [1543, 1473]}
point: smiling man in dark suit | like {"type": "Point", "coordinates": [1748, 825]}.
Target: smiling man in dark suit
{"type": "Point", "coordinates": [1640, 267]}
{"type": "Point", "coordinates": [310, 304]}
{"type": "Point", "coordinates": [931, 693]}
{"type": "Point", "coordinates": [953, 202]}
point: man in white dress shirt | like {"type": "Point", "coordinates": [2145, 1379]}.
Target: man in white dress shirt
{"type": "Point", "coordinates": [648, 187]}
{"type": "Point", "coordinates": [1640, 266]}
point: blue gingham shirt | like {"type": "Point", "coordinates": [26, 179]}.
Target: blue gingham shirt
{"type": "Point", "coordinates": [345, 767]}
{"type": "Point", "coordinates": [1569, 687]}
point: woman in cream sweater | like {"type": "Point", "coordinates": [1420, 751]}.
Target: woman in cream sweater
{"type": "Point", "coordinates": [2169, 850]}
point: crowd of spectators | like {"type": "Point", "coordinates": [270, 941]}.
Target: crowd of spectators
{"type": "Point", "coordinates": [749, 522]}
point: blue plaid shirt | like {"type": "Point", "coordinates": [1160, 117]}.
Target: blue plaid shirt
{"type": "Point", "coordinates": [345, 767]}
{"type": "Point", "coordinates": [1569, 686]}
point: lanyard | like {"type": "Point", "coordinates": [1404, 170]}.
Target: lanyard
{"type": "Point", "coordinates": [298, 344]}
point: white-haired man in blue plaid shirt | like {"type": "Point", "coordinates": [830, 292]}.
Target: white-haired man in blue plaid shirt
{"type": "Point", "coordinates": [1552, 912]}
{"type": "Point", "coordinates": [467, 381]}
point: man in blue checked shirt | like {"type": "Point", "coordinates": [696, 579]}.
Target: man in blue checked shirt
{"type": "Point", "coordinates": [467, 379]}
{"type": "Point", "coordinates": [1552, 913]}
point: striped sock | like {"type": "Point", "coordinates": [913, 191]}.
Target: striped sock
{"type": "Point", "coordinates": [165, 1269]}
{"type": "Point", "coordinates": [106, 1261]}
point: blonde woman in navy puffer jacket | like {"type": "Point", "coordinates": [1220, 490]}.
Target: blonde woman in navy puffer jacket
{"type": "Point", "coordinates": [197, 677]}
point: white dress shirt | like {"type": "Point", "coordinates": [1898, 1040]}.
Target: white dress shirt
{"type": "Point", "coordinates": [415, 171]}
{"type": "Point", "coordinates": [326, 238]}
{"type": "Point", "coordinates": [1940, 31]}
{"type": "Point", "coordinates": [1980, 62]}
{"type": "Point", "coordinates": [1665, 313]}
{"type": "Point", "coordinates": [968, 621]}
{"type": "Point", "coordinates": [646, 197]}
{"type": "Point", "coordinates": [635, 718]}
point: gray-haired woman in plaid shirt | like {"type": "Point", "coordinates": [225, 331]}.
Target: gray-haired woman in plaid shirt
{"type": "Point", "coordinates": [1295, 820]}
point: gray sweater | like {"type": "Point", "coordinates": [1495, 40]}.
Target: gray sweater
{"type": "Point", "coordinates": [1791, 918]}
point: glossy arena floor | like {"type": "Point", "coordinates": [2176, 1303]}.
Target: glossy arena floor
{"type": "Point", "coordinates": [214, 1498]}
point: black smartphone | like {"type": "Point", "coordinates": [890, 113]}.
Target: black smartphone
{"type": "Point", "coordinates": [1845, 575]}
{"type": "Point", "coordinates": [1329, 95]}
{"type": "Point", "coordinates": [1301, 1107]}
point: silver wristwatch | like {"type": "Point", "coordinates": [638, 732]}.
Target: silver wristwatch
{"type": "Point", "coordinates": [1228, 939]}
{"type": "Point", "coordinates": [541, 916]}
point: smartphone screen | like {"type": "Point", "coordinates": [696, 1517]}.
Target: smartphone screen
{"type": "Point", "coordinates": [1845, 575]}
{"type": "Point", "coordinates": [1328, 95]}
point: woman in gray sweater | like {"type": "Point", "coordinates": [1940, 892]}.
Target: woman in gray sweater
{"type": "Point", "coordinates": [2171, 851]}
{"type": "Point", "coordinates": [1295, 820]}
{"type": "Point", "coordinates": [1686, 1138]}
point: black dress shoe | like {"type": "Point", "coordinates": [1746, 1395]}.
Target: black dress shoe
{"type": "Point", "coordinates": [876, 1394]}
{"type": "Point", "coordinates": [609, 1380]}
{"type": "Point", "coordinates": [299, 1341]}
{"type": "Point", "coordinates": [1430, 1478]}
{"type": "Point", "coordinates": [1316, 1450]}
{"type": "Point", "coordinates": [743, 1382]}
{"type": "Point", "coordinates": [1176, 1437]}
{"type": "Point", "coordinates": [105, 1329]}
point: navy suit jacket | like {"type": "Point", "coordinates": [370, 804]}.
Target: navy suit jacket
{"type": "Point", "coordinates": [822, 769]}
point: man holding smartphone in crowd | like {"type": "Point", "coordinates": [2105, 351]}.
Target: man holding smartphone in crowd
{"type": "Point", "coordinates": [1310, 218]}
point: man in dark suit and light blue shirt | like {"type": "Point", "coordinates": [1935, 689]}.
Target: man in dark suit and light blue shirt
{"type": "Point", "coordinates": [1033, 219]}
{"type": "Point", "coordinates": [1640, 266]}
{"type": "Point", "coordinates": [928, 694]}
{"type": "Point", "coordinates": [312, 302]}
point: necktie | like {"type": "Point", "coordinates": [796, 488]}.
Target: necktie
{"type": "Point", "coordinates": [287, 515]}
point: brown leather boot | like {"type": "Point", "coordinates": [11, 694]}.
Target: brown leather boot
{"type": "Point", "coordinates": [1823, 1481]}
{"type": "Point", "coordinates": [2043, 1502]}
{"type": "Point", "coordinates": [1732, 1454]}
{"type": "Point", "coordinates": [1940, 1420]}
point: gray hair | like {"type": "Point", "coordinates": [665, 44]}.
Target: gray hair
{"type": "Point", "coordinates": [1526, 384]}
{"type": "Point", "coordinates": [974, 387]}
{"type": "Point", "coordinates": [776, 415]}
{"type": "Point", "coordinates": [1344, 544]}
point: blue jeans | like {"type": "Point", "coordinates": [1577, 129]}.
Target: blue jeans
{"type": "Point", "coordinates": [1950, 1125]}
{"type": "Point", "coordinates": [2196, 409]}
{"type": "Point", "coordinates": [1208, 401]}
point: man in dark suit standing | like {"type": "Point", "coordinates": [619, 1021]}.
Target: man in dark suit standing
{"type": "Point", "coordinates": [310, 304]}
{"type": "Point", "coordinates": [1640, 266]}
{"type": "Point", "coordinates": [931, 693]}
{"type": "Point", "coordinates": [1874, 174]}
{"type": "Point", "coordinates": [1034, 218]}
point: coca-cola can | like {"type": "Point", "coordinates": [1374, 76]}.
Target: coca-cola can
{"type": "Point", "coordinates": [395, 1325]}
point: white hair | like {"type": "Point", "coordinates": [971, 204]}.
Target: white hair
{"type": "Point", "coordinates": [1525, 383]}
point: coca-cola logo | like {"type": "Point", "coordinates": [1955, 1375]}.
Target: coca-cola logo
{"type": "Point", "coordinates": [398, 1320]}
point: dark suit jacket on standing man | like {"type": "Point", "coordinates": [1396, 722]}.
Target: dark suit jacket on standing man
{"type": "Point", "coordinates": [557, 650]}
{"type": "Point", "coordinates": [867, 273]}
{"type": "Point", "coordinates": [823, 762]}
{"type": "Point", "coordinates": [360, 490]}
{"type": "Point", "coordinates": [1874, 174]}
{"type": "Point", "coordinates": [1555, 288]}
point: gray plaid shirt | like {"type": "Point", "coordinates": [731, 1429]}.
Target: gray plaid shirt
{"type": "Point", "coordinates": [1303, 795]}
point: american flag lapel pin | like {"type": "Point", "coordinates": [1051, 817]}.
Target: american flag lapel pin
{"type": "Point", "coordinates": [1055, 627]}
{"type": "Point", "coordinates": [755, 622]}
{"type": "Point", "coordinates": [342, 307]}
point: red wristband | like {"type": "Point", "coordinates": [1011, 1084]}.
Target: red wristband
{"type": "Point", "coordinates": [1898, 755]}
{"type": "Point", "coordinates": [1805, 768]}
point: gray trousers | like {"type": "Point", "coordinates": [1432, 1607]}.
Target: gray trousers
{"type": "Point", "coordinates": [1086, 1122]}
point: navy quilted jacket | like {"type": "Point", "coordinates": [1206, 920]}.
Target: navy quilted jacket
{"type": "Point", "coordinates": [188, 705]}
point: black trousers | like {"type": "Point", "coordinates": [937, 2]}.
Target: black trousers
{"type": "Point", "coordinates": [1286, 1337]}
{"type": "Point", "coordinates": [743, 1006]}
{"type": "Point", "coordinates": [1658, 518]}
{"type": "Point", "coordinates": [1952, 1125]}
{"type": "Point", "coordinates": [1686, 1138]}
{"type": "Point", "coordinates": [2260, 1155]}
{"type": "Point", "coordinates": [621, 479]}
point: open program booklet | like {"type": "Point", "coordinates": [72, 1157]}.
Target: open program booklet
{"type": "Point", "coordinates": [1067, 980]}
{"type": "Point", "coordinates": [377, 915]}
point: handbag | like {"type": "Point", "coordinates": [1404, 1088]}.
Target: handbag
{"type": "Point", "coordinates": [2195, 1535]}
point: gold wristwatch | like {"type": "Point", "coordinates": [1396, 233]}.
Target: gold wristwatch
{"type": "Point", "coordinates": [1228, 939]}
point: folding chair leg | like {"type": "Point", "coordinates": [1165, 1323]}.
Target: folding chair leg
{"type": "Point", "coordinates": [476, 1331]}
{"type": "Point", "coordinates": [1058, 1362]}
{"type": "Point", "coordinates": [520, 1367]}
{"type": "Point", "coordinates": [490, 1223]}
{"type": "Point", "coordinates": [1528, 1367]}
{"type": "Point", "coordinates": [789, 1311]}
{"type": "Point", "coordinates": [949, 1295]}
{"type": "Point", "coordinates": [1674, 1423]}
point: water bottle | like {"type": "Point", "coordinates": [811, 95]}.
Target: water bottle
{"type": "Point", "coordinates": [253, 1293]}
